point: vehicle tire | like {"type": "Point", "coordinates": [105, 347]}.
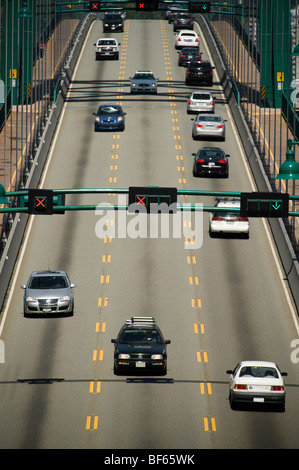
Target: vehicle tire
{"type": "Point", "coordinates": [116, 56]}
{"type": "Point", "coordinates": [233, 404]}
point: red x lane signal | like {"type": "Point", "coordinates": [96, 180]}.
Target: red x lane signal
{"type": "Point", "coordinates": [40, 201]}
{"type": "Point", "coordinates": [162, 198]}
{"type": "Point", "coordinates": [94, 6]}
{"type": "Point", "coordinates": [140, 200]}
{"type": "Point", "coordinates": [147, 5]}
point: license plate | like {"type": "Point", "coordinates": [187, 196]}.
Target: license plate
{"type": "Point", "coordinates": [46, 310]}
{"type": "Point", "coordinates": [140, 364]}
{"type": "Point", "coordinates": [258, 399]}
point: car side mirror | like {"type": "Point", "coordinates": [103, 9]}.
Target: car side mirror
{"type": "Point", "coordinates": [227, 155]}
{"type": "Point", "coordinates": [194, 154]}
{"type": "Point", "coordinates": [229, 371]}
{"type": "Point", "coordinates": [23, 286]}
{"type": "Point", "coordinates": [167, 341]}
{"type": "Point", "coordinates": [284, 374]}
{"type": "Point", "coordinates": [73, 285]}
{"type": "Point", "coordinates": [113, 341]}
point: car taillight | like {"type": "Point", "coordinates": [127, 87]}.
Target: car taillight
{"type": "Point", "coordinates": [220, 127]}
{"type": "Point", "coordinates": [199, 125]}
{"type": "Point", "coordinates": [211, 72]}
{"type": "Point", "coordinates": [196, 40]}
{"type": "Point", "coordinates": [197, 57]}
{"type": "Point", "coordinates": [242, 219]}
{"type": "Point", "coordinates": [212, 102]}
{"type": "Point", "coordinates": [179, 39]}
{"type": "Point", "coordinates": [223, 161]}
{"type": "Point", "coordinates": [190, 101]}
{"type": "Point", "coordinates": [183, 56]}
{"type": "Point", "coordinates": [217, 217]}
{"type": "Point", "coordinates": [240, 387]}
{"type": "Point", "coordinates": [200, 160]}
{"type": "Point", "coordinates": [277, 388]}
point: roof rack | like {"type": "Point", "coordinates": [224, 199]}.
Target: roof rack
{"type": "Point", "coordinates": [141, 321]}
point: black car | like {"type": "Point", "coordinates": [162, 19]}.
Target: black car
{"type": "Point", "coordinates": [113, 22]}
{"type": "Point", "coordinates": [187, 55]}
{"type": "Point", "coordinates": [199, 72]}
{"type": "Point", "coordinates": [210, 161]}
{"type": "Point", "coordinates": [140, 346]}
{"type": "Point", "coordinates": [183, 21]}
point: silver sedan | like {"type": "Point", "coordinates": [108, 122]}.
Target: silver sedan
{"type": "Point", "coordinates": [48, 292]}
{"type": "Point", "coordinates": [200, 102]}
{"type": "Point", "coordinates": [257, 382]}
{"type": "Point", "coordinates": [209, 126]}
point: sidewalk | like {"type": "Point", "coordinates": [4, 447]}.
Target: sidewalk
{"type": "Point", "coordinates": [22, 125]}
{"type": "Point", "coordinates": [268, 126]}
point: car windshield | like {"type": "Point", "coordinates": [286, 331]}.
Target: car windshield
{"type": "Point", "coordinates": [140, 336]}
{"type": "Point", "coordinates": [106, 42]}
{"type": "Point", "coordinates": [48, 282]}
{"type": "Point", "coordinates": [148, 76]}
{"type": "Point", "coordinates": [211, 153]}
{"type": "Point", "coordinates": [209, 118]}
{"type": "Point", "coordinates": [109, 110]}
{"type": "Point", "coordinates": [113, 17]}
{"type": "Point", "coordinates": [200, 65]}
{"type": "Point", "coordinates": [260, 371]}
{"type": "Point", "coordinates": [201, 96]}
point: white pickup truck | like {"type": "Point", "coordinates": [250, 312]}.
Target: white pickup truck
{"type": "Point", "coordinates": [106, 47]}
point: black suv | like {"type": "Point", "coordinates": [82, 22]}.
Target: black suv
{"type": "Point", "coordinates": [199, 72]}
{"type": "Point", "coordinates": [183, 21]}
{"type": "Point", "coordinates": [113, 22]}
{"type": "Point", "coordinates": [140, 346]}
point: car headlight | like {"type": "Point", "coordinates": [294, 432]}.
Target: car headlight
{"type": "Point", "coordinates": [124, 356]}
{"type": "Point", "coordinates": [31, 299]}
{"type": "Point", "coordinates": [120, 118]}
{"type": "Point", "coordinates": [153, 84]}
{"type": "Point", "coordinates": [133, 84]}
{"type": "Point", "coordinates": [65, 297]}
{"type": "Point", "coordinates": [157, 356]}
{"type": "Point", "coordinates": [97, 119]}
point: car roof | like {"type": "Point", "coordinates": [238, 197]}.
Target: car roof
{"type": "Point", "coordinates": [148, 322]}
{"type": "Point", "coordinates": [228, 203]}
{"type": "Point", "coordinates": [48, 273]}
{"type": "Point", "coordinates": [258, 363]}
{"type": "Point", "coordinates": [144, 71]}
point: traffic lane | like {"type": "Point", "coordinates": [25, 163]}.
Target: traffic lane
{"type": "Point", "coordinates": [155, 291]}
{"type": "Point", "coordinates": [281, 305]}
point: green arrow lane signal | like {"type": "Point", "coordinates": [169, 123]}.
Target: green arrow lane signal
{"type": "Point", "coordinates": [276, 205]}
{"type": "Point", "coordinates": [264, 204]}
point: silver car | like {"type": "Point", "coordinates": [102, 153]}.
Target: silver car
{"type": "Point", "coordinates": [144, 81]}
{"type": "Point", "coordinates": [48, 292]}
{"type": "Point", "coordinates": [209, 126]}
{"type": "Point", "coordinates": [200, 102]}
{"type": "Point", "coordinates": [257, 382]}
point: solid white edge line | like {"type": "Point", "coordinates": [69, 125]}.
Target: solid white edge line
{"type": "Point", "coordinates": [267, 230]}
{"type": "Point", "coordinates": [31, 218]}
